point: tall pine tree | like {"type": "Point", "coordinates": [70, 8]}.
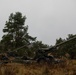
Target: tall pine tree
{"type": "Point", "coordinates": [16, 34]}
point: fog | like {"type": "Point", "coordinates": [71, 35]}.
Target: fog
{"type": "Point", "coordinates": [47, 19]}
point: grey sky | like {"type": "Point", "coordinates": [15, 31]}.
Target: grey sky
{"type": "Point", "coordinates": [47, 19]}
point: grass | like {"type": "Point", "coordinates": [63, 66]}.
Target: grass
{"type": "Point", "coordinates": [66, 68]}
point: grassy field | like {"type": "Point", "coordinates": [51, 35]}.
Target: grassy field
{"type": "Point", "coordinates": [66, 68]}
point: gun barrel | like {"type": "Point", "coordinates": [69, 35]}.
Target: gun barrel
{"type": "Point", "coordinates": [53, 47]}
{"type": "Point", "coordinates": [50, 48]}
{"type": "Point", "coordinates": [65, 42]}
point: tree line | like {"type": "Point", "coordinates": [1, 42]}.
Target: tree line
{"type": "Point", "coordinates": [16, 35]}
{"type": "Point", "coordinates": [69, 47]}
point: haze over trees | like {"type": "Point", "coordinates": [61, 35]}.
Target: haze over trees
{"type": "Point", "coordinates": [16, 35]}
{"type": "Point", "coordinates": [16, 32]}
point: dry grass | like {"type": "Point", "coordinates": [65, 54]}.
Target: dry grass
{"type": "Point", "coordinates": [66, 68]}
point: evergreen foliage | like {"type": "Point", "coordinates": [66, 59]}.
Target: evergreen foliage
{"type": "Point", "coordinates": [16, 34]}
{"type": "Point", "coordinates": [69, 47]}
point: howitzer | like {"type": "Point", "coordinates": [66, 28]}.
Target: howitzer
{"type": "Point", "coordinates": [49, 49]}
{"type": "Point", "coordinates": [42, 53]}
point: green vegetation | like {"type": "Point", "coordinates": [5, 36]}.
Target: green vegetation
{"type": "Point", "coordinates": [16, 32]}
{"type": "Point", "coordinates": [69, 47]}
{"type": "Point", "coordinates": [16, 35]}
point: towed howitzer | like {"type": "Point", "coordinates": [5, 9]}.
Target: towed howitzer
{"type": "Point", "coordinates": [42, 53]}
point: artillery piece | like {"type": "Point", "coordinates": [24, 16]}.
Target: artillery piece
{"type": "Point", "coordinates": [45, 52]}
{"type": "Point", "coordinates": [41, 54]}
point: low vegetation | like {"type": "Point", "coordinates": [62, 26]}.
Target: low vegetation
{"type": "Point", "coordinates": [66, 68]}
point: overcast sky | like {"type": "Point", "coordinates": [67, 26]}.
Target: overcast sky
{"type": "Point", "coordinates": [47, 19]}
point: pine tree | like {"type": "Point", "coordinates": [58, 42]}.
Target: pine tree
{"type": "Point", "coordinates": [16, 34]}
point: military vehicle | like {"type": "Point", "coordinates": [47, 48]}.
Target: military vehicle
{"type": "Point", "coordinates": [44, 54]}
{"type": "Point", "coordinates": [41, 54]}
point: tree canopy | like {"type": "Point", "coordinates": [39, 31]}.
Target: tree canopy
{"type": "Point", "coordinates": [16, 34]}
{"type": "Point", "coordinates": [69, 47]}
